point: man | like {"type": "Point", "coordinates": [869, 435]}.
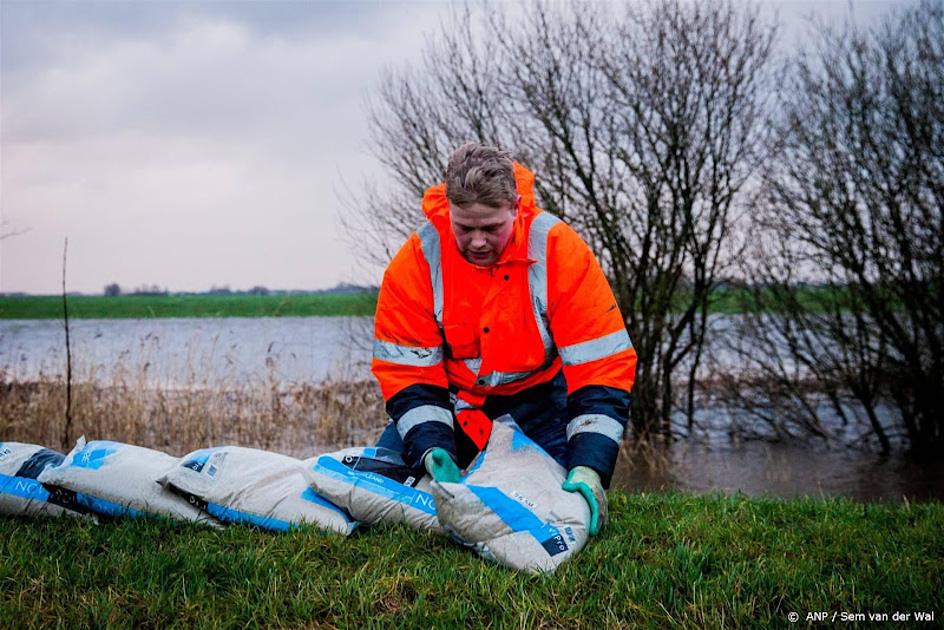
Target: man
{"type": "Point", "coordinates": [496, 307]}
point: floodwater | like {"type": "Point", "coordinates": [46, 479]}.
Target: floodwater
{"type": "Point", "coordinates": [782, 470]}
{"type": "Point", "coordinates": [192, 352]}
{"type": "Point", "coordinates": [214, 352]}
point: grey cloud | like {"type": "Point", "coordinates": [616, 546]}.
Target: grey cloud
{"type": "Point", "coordinates": [33, 32]}
{"type": "Point", "coordinates": [188, 145]}
{"type": "Point", "coordinates": [210, 76]}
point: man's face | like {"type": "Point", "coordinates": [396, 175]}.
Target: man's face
{"type": "Point", "coordinates": [482, 231]}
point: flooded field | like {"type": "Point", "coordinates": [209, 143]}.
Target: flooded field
{"type": "Point", "coordinates": [262, 355]}
{"type": "Point", "coordinates": [192, 351]}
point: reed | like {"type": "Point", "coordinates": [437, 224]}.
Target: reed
{"type": "Point", "coordinates": [130, 405]}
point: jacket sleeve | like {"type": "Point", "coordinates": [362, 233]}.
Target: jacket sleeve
{"type": "Point", "coordinates": [408, 356]}
{"type": "Point", "coordinates": [598, 358]}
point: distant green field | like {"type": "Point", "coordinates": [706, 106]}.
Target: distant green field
{"type": "Point", "coordinates": [723, 301]}
{"type": "Point", "coordinates": [729, 301]}
{"type": "Point", "coordinates": [665, 560]}
{"type": "Point", "coordinates": [135, 307]}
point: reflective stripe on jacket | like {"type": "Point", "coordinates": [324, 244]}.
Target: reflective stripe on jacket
{"type": "Point", "coordinates": [545, 305]}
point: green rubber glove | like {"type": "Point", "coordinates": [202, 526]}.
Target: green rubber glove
{"type": "Point", "coordinates": [586, 481]}
{"type": "Point", "coordinates": [440, 466]}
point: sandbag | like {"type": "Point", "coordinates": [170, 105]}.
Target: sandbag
{"type": "Point", "coordinates": [246, 485]}
{"type": "Point", "coordinates": [21, 494]}
{"type": "Point", "coordinates": [115, 480]}
{"type": "Point", "coordinates": [375, 486]}
{"type": "Point", "coordinates": [510, 508]}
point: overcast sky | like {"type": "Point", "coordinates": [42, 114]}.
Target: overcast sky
{"type": "Point", "coordinates": [191, 144]}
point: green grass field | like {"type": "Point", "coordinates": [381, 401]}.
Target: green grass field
{"type": "Point", "coordinates": [143, 307]}
{"type": "Point", "coordinates": [664, 560]}
{"type": "Point", "coordinates": [132, 306]}
{"type": "Point", "coordinates": [724, 301]}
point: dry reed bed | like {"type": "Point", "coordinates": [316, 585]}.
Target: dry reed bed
{"type": "Point", "coordinates": [299, 419]}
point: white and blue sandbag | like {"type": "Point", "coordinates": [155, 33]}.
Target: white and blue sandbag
{"type": "Point", "coordinates": [509, 506]}
{"type": "Point", "coordinates": [374, 485]}
{"type": "Point", "coordinates": [113, 479]}
{"type": "Point", "coordinates": [21, 494]}
{"type": "Point", "coordinates": [246, 485]}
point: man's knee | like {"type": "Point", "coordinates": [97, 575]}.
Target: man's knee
{"type": "Point", "coordinates": [390, 438]}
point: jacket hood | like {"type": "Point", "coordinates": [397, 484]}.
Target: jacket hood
{"type": "Point", "coordinates": [436, 205]}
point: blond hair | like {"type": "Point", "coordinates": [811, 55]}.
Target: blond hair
{"type": "Point", "coordinates": [478, 173]}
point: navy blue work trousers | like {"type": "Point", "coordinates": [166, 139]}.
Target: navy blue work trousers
{"type": "Point", "coordinates": [540, 411]}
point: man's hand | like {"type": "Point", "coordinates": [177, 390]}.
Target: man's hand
{"type": "Point", "coordinates": [439, 465]}
{"type": "Point", "coordinates": [586, 481]}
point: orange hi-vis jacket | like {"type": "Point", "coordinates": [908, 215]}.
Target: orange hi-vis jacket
{"type": "Point", "coordinates": [445, 324]}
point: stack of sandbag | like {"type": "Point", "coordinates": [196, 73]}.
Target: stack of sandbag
{"type": "Point", "coordinates": [114, 480]}
{"type": "Point", "coordinates": [374, 485]}
{"type": "Point", "coordinates": [246, 485]}
{"type": "Point", "coordinates": [510, 506]}
{"type": "Point", "coordinates": [21, 493]}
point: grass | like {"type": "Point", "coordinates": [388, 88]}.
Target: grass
{"type": "Point", "coordinates": [142, 307]}
{"type": "Point", "coordinates": [732, 301]}
{"type": "Point", "coordinates": [724, 301]}
{"type": "Point", "coordinates": [664, 560]}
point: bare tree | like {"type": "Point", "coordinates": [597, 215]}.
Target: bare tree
{"type": "Point", "coordinates": [854, 207]}
{"type": "Point", "coordinates": [417, 118]}
{"type": "Point", "coordinates": [653, 128]}
{"type": "Point", "coordinates": [643, 127]}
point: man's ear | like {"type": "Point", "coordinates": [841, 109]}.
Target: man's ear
{"type": "Point", "coordinates": [514, 211]}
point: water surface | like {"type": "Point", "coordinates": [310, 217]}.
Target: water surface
{"type": "Point", "coordinates": [214, 352]}
{"type": "Point", "coordinates": [191, 351]}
